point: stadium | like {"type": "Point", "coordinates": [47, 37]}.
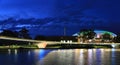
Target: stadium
{"type": "Point", "coordinates": [98, 36]}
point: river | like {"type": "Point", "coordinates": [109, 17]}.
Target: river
{"type": "Point", "coordinates": [60, 57]}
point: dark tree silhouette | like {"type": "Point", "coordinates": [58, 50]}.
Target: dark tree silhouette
{"type": "Point", "coordinates": [23, 33]}
{"type": "Point", "coordinates": [86, 34]}
{"type": "Point", "coordinates": [117, 39]}
{"type": "Point", "coordinates": [9, 33]}
{"type": "Point", "coordinates": [106, 37]}
{"type": "Point", "coordinates": [91, 34]}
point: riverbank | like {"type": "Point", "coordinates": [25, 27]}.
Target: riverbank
{"type": "Point", "coordinates": [57, 46]}
{"type": "Point", "coordinates": [19, 47]}
{"type": "Point", "coordinates": [74, 46]}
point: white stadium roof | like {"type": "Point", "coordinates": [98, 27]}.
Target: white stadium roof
{"type": "Point", "coordinates": [98, 32]}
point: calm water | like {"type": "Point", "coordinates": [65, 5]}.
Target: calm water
{"type": "Point", "coordinates": [60, 57]}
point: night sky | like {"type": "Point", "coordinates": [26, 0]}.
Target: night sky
{"type": "Point", "coordinates": [106, 13]}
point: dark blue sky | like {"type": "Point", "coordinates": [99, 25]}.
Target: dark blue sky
{"type": "Point", "coordinates": [105, 10]}
{"type": "Point", "coordinates": [26, 8]}
{"type": "Point", "coordinates": [108, 9]}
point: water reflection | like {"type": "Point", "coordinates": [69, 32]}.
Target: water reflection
{"type": "Point", "coordinates": [90, 57]}
{"type": "Point", "coordinates": [60, 57]}
{"type": "Point", "coordinates": [113, 56]}
{"type": "Point", "coordinates": [41, 53]}
{"type": "Point", "coordinates": [79, 57]}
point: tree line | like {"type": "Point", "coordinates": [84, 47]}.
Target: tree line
{"type": "Point", "coordinates": [23, 33]}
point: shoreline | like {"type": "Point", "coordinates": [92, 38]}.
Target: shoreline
{"type": "Point", "coordinates": [58, 46]}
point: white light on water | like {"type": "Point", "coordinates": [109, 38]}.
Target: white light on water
{"type": "Point", "coordinates": [9, 51]}
{"type": "Point", "coordinates": [113, 45]}
{"type": "Point", "coordinates": [15, 51]}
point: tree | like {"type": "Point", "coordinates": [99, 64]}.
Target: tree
{"type": "Point", "coordinates": [23, 33]}
{"type": "Point", "coordinates": [91, 34]}
{"type": "Point", "coordinates": [87, 34]}
{"type": "Point", "coordinates": [117, 39]}
{"type": "Point", "coordinates": [9, 33]}
{"type": "Point", "coordinates": [106, 37]}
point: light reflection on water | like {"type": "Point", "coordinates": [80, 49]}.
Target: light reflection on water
{"type": "Point", "coordinates": [60, 57]}
{"type": "Point", "coordinates": [81, 57]}
{"type": "Point", "coordinates": [113, 56]}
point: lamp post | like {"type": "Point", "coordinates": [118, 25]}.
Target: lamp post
{"type": "Point", "coordinates": [64, 31]}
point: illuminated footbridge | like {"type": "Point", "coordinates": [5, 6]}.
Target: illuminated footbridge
{"type": "Point", "coordinates": [43, 44]}
{"type": "Point", "coordinates": [40, 44]}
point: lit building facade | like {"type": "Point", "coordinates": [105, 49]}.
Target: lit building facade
{"type": "Point", "coordinates": [98, 37]}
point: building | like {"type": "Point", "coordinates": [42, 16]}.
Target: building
{"type": "Point", "coordinates": [98, 37]}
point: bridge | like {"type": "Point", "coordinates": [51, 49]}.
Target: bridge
{"type": "Point", "coordinates": [43, 44]}
{"type": "Point", "coordinates": [40, 44]}
{"type": "Point", "coordinates": [18, 39]}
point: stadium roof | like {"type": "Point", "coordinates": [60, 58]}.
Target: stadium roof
{"type": "Point", "coordinates": [99, 32]}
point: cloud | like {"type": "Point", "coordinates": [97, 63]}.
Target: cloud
{"type": "Point", "coordinates": [105, 9]}
{"type": "Point", "coordinates": [35, 8]}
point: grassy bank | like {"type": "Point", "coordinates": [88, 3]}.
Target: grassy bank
{"type": "Point", "coordinates": [18, 46]}
{"type": "Point", "coordinates": [56, 46]}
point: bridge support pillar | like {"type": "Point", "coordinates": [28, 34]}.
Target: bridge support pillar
{"type": "Point", "coordinates": [41, 45]}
